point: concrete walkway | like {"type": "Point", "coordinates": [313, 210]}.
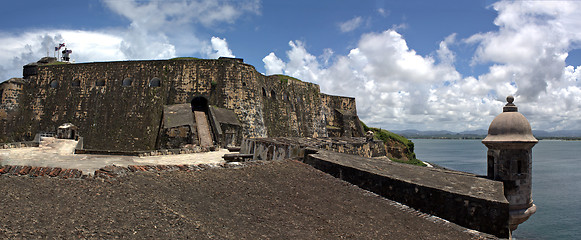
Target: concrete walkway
{"type": "Point", "coordinates": [54, 152]}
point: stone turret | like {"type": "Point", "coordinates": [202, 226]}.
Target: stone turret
{"type": "Point", "coordinates": [510, 142]}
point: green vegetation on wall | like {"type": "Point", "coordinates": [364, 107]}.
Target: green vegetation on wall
{"type": "Point", "coordinates": [387, 136]}
{"type": "Point", "coordinates": [57, 63]}
{"type": "Point", "coordinates": [285, 78]}
{"type": "Point", "coordinates": [185, 58]}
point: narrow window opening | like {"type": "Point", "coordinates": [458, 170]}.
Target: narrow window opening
{"type": "Point", "coordinates": [272, 94]}
{"type": "Point", "coordinates": [100, 83]}
{"type": "Point", "coordinates": [490, 173]}
{"type": "Point", "coordinates": [76, 83]}
{"type": "Point", "coordinates": [200, 103]}
{"type": "Point", "coordinates": [263, 92]}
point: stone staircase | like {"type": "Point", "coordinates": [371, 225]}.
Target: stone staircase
{"type": "Point", "coordinates": [204, 134]}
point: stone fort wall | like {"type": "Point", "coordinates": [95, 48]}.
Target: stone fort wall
{"type": "Point", "coordinates": [10, 92]}
{"type": "Point", "coordinates": [118, 105]}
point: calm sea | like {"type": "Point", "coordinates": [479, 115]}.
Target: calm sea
{"type": "Point", "coordinates": [556, 181]}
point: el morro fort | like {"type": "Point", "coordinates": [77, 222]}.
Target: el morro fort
{"type": "Point", "coordinates": [145, 105]}
{"type": "Point", "coordinates": [283, 134]}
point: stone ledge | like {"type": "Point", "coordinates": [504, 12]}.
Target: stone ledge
{"type": "Point", "coordinates": [112, 171]}
{"type": "Point", "coordinates": [18, 145]}
{"type": "Point", "coordinates": [467, 200]}
{"type": "Point", "coordinates": [142, 153]}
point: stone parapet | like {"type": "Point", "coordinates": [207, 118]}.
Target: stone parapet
{"type": "Point", "coordinates": [465, 199]}
{"type": "Point", "coordinates": [293, 148]}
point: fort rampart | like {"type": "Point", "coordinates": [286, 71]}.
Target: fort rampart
{"type": "Point", "coordinates": [462, 198]}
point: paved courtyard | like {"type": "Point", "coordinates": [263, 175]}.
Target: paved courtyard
{"type": "Point", "coordinates": [54, 152]}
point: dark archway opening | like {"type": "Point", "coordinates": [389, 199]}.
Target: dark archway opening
{"type": "Point", "coordinates": [200, 103]}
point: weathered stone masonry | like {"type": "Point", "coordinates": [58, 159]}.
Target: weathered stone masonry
{"type": "Point", "coordinates": [119, 105]}
{"type": "Point", "coordinates": [10, 92]}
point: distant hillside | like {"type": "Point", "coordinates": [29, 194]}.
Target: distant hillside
{"type": "Point", "coordinates": [481, 133]}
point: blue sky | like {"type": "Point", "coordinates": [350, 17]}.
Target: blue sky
{"type": "Point", "coordinates": [426, 65]}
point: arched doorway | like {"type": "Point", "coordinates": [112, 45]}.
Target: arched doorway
{"type": "Point", "coordinates": [200, 103]}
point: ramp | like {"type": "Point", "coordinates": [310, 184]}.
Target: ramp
{"type": "Point", "coordinates": [204, 134]}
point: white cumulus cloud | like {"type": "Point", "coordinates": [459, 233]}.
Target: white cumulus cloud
{"type": "Point", "coordinates": [219, 48]}
{"type": "Point", "coordinates": [398, 88]}
{"type": "Point", "coordinates": [24, 48]}
{"type": "Point", "coordinates": [157, 30]}
{"type": "Point", "coordinates": [351, 24]}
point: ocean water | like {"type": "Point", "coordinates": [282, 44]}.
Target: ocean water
{"type": "Point", "coordinates": [556, 181]}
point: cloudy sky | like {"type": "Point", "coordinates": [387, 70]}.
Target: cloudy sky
{"type": "Point", "coordinates": [427, 65]}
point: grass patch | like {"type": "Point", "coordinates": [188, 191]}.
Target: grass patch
{"type": "Point", "coordinates": [385, 136]}
{"type": "Point", "coordinates": [414, 161]}
{"type": "Point", "coordinates": [285, 78]}
{"type": "Point", "coordinates": [186, 58]}
{"type": "Point", "coordinates": [57, 63]}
